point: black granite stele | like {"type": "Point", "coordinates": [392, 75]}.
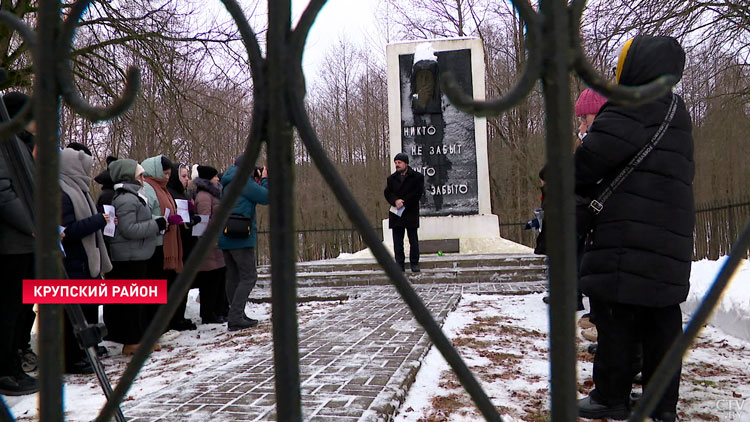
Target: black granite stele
{"type": "Point", "coordinates": [438, 138]}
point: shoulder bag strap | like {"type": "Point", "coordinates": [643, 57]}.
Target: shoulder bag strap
{"type": "Point", "coordinates": [597, 204]}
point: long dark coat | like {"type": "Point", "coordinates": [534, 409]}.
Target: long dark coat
{"type": "Point", "coordinates": [641, 247]}
{"type": "Point", "coordinates": [411, 191]}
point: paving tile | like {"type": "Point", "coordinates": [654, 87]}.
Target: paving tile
{"type": "Point", "coordinates": [356, 362]}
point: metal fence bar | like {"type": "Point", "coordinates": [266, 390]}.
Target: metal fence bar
{"type": "Point", "coordinates": [47, 202]}
{"type": "Point", "coordinates": [561, 241]}
{"type": "Point", "coordinates": [281, 202]}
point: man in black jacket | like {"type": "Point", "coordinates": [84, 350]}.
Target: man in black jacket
{"type": "Point", "coordinates": [637, 259]}
{"type": "Point", "coordinates": [404, 188]}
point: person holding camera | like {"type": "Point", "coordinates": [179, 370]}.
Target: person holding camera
{"type": "Point", "coordinates": [237, 243]}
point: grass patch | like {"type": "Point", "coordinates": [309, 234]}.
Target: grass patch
{"type": "Point", "coordinates": [706, 383]}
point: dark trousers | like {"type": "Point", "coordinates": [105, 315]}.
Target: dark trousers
{"type": "Point", "coordinates": [212, 286]}
{"type": "Point", "coordinates": [398, 244]}
{"type": "Point", "coordinates": [620, 330]}
{"type": "Point", "coordinates": [13, 313]}
{"type": "Point", "coordinates": [241, 277]}
{"type": "Point", "coordinates": [156, 271]}
{"type": "Point", "coordinates": [126, 323]}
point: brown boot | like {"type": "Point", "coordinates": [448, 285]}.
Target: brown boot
{"type": "Point", "coordinates": [129, 349]}
{"type": "Point", "coordinates": [585, 322]}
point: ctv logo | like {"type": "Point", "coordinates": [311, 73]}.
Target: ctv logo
{"type": "Point", "coordinates": [734, 408]}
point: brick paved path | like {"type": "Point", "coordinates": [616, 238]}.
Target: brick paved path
{"type": "Point", "coordinates": [356, 362]}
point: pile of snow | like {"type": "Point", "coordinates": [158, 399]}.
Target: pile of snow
{"type": "Point", "coordinates": [733, 313]}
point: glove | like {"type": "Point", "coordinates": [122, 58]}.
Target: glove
{"type": "Point", "coordinates": [196, 219]}
{"type": "Point", "coordinates": [191, 206]}
{"type": "Point", "coordinates": [162, 223]}
{"type": "Point", "coordinates": [175, 219]}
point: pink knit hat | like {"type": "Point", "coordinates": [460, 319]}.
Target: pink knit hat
{"type": "Point", "coordinates": [589, 102]}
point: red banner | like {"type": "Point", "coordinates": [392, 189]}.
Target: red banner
{"type": "Point", "coordinates": [94, 291]}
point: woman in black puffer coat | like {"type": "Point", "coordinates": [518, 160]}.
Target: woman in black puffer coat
{"type": "Point", "coordinates": [636, 265]}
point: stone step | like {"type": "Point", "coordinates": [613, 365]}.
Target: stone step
{"type": "Point", "coordinates": [447, 261]}
{"type": "Point", "coordinates": [457, 269]}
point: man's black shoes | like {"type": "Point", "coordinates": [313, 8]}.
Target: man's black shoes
{"type": "Point", "coordinates": [415, 268]}
{"type": "Point", "coordinates": [591, 409]}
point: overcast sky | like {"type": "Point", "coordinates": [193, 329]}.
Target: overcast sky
{"type": "Point", "coordinates": [353, 20]}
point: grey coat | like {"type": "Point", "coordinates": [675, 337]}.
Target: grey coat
{"type": "Point", "coordinates": [135, 235]}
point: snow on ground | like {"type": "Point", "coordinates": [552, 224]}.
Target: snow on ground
{"type": "Point", "coordinates": [504, 341]}
{"type": "Point", "coordinates": [502, 338]}
{"type": "Point", "coordinates": [733, 313]}
{"type": "Point", "coordinates": [183, 355]}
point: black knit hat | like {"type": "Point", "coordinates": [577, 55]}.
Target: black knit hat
{"type": "Point", "coordinates": [401, 157]}
{"type": "Point", "coordinates": [111, 158]}
{"type": "Point", "coordinates": [14, 102]}
{"type": "Point", "coordinates": [207, 172]}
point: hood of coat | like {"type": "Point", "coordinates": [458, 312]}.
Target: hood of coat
{"type": "Point", "coordinates": [174, 183]}
{"type": "Point", "coordinates": [206, 185]}
{"type": "Point", "coordinates": [133, 188]}
{"type": "Point", "coordinates": [123, 171]}
{"type": "Point", "coordinates": [645, 58]}
{"type": "Point", "coordinates": [152, 167]}
{"type": "Point", "coordinates": [75, 167]}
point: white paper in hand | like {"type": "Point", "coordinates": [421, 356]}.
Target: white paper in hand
{"type": "Point", "coordinates": [109, 229]}
{"type": "Point", "coordinates": [397, 211]}
{"type": "Point", "coordinates": [199, 228]}
{"type": "Point", "coordinates": [60, 230]}
{"type": "Point", "coordinates": [182, 209]}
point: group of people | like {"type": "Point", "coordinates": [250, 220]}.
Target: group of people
{"type": "Point", "coordinates": [156, 204]}
{"type": "Point", "coordinates": [634, 262]}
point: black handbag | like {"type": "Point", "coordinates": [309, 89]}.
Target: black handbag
{"type": "Point", "coordinates": [588, 209]}
{"type": "Point", "coordinates": [238, 226]}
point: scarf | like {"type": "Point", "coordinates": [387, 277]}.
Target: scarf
{"type": "Point", "coordinates": [172, 241]}
{"type": "Point", "coordinates": [75, 182]}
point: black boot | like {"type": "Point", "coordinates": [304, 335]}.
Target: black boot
{"type": "Point", "coordinates": [591, 409]}
{"type": "Point", "coordinates": [415, 268]}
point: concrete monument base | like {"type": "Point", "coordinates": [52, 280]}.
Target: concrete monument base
{"type": "Point", "coordinates": [477, 234]}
